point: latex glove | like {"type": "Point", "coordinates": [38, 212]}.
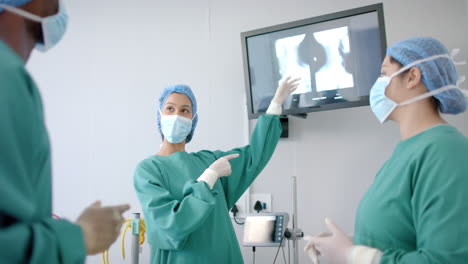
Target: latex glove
{"type": "Point", "coordinates": [311, 250]}
{"type": "Point", "coordinates": [101, 226]}
{"type": "Point", "coordinates": [285, 88]}
{"type": "Point", "coordinates": [220, 168]}
{"type": "Point", "coordinates": [336, 247]}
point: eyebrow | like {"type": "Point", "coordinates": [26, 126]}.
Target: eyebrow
{"type": "Point", "coordinates": [176, 104]}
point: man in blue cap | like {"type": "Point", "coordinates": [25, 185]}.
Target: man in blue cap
{"type": "Point", "coordinates": [28, 234]}
{"type": "Point", "coordinates": [416, 210]}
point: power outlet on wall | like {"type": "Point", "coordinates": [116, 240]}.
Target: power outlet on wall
{"type": "Point", "coordinates": [265, 200]}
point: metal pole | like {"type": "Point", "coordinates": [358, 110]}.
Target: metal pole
{"type": "Point", "coordinates": [135, 238]}
{"type": "Point", "coordinates": [294, 220]}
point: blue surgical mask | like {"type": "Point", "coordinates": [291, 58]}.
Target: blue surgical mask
{"type": "Point", "coordinates": [53, 27]}
{"type": "Point", "coordinates": [175, 128]}
{"type": "Point", "coordinates": [382, 106]}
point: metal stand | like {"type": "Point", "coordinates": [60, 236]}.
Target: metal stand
{"type": "Point", "coordinates": [294, 234]}
{"type": "Point", "coordinates": [135, 238]}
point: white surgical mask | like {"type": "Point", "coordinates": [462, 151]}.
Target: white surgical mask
{"type": "Point", "coordinates": [53, 27]}
{"type": "Point", "coordinates": [382, 106]}
{"type": "Point", "coordinates": [175, 128]}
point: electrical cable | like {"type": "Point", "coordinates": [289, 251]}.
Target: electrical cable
{"type": "Point", "coordinates": [234, 212]}
{"type": "Point", "coordinates": [284, 255]}
{"type": "Point", "coordinates": [253, 250]}
{"type": "Point", "coordinates": [282, 240]}
{"type": "Point", "coordinates": [235, 220]}
{"type": "Point", "coordinates": [127, 225]}
{"type": "Point", "coordinates": [289, 255]}
{"type": "Point", "coordinates": [142, 234]}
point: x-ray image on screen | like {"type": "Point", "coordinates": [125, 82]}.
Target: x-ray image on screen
{"type": "Point", "coordinates": [333, 74]}
{"type": "Point", "coordinates": [338, 58]}
{"type": "Point", "coordinates": [289, 63]}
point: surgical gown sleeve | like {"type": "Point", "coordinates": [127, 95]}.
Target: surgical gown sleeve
{"type": "Point", "coordinates": [172, 218]}
{"type": "Point", "coordinates": [440, 209]}
{"type": "Point", "coordinates": [253, 157]}
{"type": "Point", "coordinates": [28, 234]}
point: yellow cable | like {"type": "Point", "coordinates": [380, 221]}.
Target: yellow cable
{"type": "Point", "coordinates": [142, 234]}
{"type": "Point", "coordinates": [122, 240]}
{"type": "Point", "coordinates": [127, 225]}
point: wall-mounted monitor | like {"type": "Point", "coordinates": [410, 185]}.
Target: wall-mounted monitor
{"type": "Point", "coordinates": [337, 56]}
{"type": "Point", "coordinates": [265, 229]}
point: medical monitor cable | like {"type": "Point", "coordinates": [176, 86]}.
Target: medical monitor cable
{"type": "Point", "coordinates": [282, 240]}
{"type": "Point", "coordinates": [253, 250]}
{"type": "Point", "coordinates": [284, 255]}
{"type": "Point", "coordinates": [234, 211]}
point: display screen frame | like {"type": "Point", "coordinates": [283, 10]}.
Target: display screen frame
{"type": "Point", "coordinates": [276, 235]}
{"type": "Point", "coordinates": [362, 101]}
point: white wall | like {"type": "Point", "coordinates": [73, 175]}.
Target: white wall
{"type": "Point", "coordinates": [100, 87]}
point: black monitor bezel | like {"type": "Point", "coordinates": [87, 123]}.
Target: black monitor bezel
{"type": "Point", "coordinates": [304, 22]}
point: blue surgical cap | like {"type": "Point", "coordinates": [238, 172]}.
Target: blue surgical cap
{"type": "Point", "coordinates": [182, 89]}
{"type": "Point", "coordinates": [13, 3]}
{"type": "Point", "coordinates": [435, 73]}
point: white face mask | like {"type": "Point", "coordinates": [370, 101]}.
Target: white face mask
{"type": "Point", "coordinates": [382, 106]}
{"type": "Point", "coordinates": [53, 27]}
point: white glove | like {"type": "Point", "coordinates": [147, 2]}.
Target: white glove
{"type": "Point", "coordinates": [365, 255]}
{"type": "Point", "coordinates": [310, 248]}
{"type": "Point", "coordinates": [285, 88]}
{"type": "Point", "coordinates": [220, 168]}
{"type": "Point", "coordinates": [335, 247]}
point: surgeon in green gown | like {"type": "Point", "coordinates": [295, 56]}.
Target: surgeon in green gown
{"type": "Point", "coordinates": [186, 196]}
{"type": "Point", "coordinates": [416, 210]}
{"type": "Point", "coordinates": [28, 233]}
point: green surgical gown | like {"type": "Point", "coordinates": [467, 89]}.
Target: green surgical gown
{"type": "Point", "coordinates": [186, 221]}
{"type": "Point", "coordinates": [28, 234]}
{"type": "Point", "coordinates": [416, 211]}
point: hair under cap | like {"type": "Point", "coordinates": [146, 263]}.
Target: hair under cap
{"type": "Point", "coordinates": [435, 73]}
